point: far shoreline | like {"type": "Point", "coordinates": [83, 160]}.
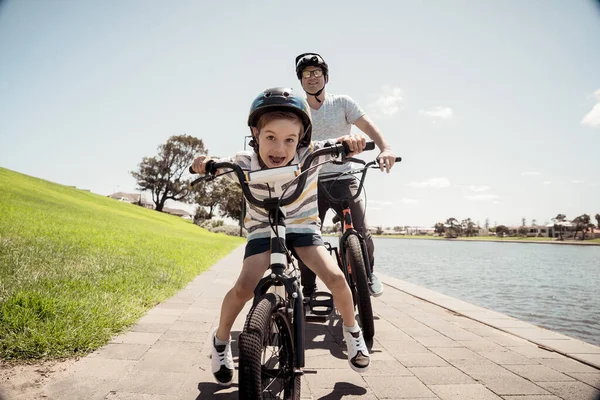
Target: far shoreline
{"type": "Point", "coordinates": [589, 242]}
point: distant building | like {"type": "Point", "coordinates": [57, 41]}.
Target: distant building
{"type": "Point", "coordinates": [133, 198]}
{"type": "Point", "coordinates": [177, 212]}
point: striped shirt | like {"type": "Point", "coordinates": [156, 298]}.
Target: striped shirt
{"type": "Point", "coordinates": [302, 216]}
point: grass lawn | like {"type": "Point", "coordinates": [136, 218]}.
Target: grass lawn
{"type": "Point", "coordinates": [76, 268]}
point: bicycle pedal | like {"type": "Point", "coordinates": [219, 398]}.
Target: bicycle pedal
{"type": "Point", "coordinates": [321, 303]}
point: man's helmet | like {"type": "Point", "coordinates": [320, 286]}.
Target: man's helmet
{"type": "Point", "coordinates": [281, 99]}
{"type": "Point", "coordinates": [310, 60]}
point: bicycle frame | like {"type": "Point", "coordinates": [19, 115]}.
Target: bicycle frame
{"type": "Point", "coordinates": [278, 277]}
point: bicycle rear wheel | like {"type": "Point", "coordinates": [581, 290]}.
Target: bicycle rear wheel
{"type": "Point", "coordinates": [354, 256]}
{"type": "Point", "coordinates": [266, 353]}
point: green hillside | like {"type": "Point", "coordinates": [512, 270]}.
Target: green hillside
{"type": "Point", "coordinates": [76, 268]}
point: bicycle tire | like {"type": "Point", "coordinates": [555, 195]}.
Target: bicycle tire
{"type": "Point", "coordinates": [362, 295]}
{"type": "Point", "coordinates": [266, 353]}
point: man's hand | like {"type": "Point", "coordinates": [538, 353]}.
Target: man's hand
{"type": "Point", "coordinates": [356, 143]}
{"type": "Point", "coordinates": [199, 164]}
{"type": "Point", "coordinates": [386, 160]}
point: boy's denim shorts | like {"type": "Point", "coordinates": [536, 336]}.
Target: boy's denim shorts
{"type": "Point", "coordinates": [292, 240]}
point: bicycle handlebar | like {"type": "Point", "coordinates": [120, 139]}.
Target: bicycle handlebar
{"type": "Point", "coordinates": [273, 174]}
{"type": "Point", "coordinates": [363, 170]}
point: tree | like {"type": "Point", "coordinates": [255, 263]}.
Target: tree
{"type": "Point", "coordinates": [452, 227]}
{"type": "Point", "coordinates": [162, 174]}
{"type": "Point", "coordinates": [487, 223]}
{"type": "Point", "coordinates": [502, 231]}
{"type": "Point", "coordinates": [523, 221]}
{"type": "Point", "coordinates": [219, 195]}
{"type": "Point", "coordinates": [534, 222]}
{"type": "Point", "coordinates": [597, 217]}
{"type": "Point", "coordinates": [231, 200]}
{"type": "Point", "coordinates": [523, 231]}
{"type": "Point", "coordinates": [439, 228]}
{"type": "Point", "coordinates": [582, 223]}
{"type": "Point", "coordinates": [468, 227]}
{"type": "Point", "coordinates": [559, 224]}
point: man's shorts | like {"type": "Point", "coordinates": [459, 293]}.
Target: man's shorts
{"type": "Point", "coordinates": [292, 240]}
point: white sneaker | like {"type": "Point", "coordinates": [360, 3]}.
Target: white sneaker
{"type": "Point", "coordinates": [376, 287]}
{"type": "Point", "coordinates": [222, 361]}
{"type": "Point", "coordinates": [358, 354]}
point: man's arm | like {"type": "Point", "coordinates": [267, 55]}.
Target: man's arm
{"type": "Point", "coordinates": [386, 157]}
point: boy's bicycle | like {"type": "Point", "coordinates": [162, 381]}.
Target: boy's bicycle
{"type": "Point", "coordinates": [352, 256]}
{"type": "Point", "coordinates": [271, 345]}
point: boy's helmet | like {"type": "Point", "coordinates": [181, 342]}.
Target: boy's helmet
{"type": "Point", "coordinates": [311, 60]}
{"type": "Point", "coordinates": [281, 99]}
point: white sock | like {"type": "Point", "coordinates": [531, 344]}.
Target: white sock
{"type": "Point", "coordinates": [220, 342]}
{"type": "Point", "coordinates": [352, 329]}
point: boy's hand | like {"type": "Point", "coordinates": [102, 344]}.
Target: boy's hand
{"type": "Point", "coordinates": [199, 164]}
{"type": "Point", "coordinates": [356, 143]}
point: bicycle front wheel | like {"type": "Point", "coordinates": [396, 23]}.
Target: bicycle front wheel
{"type": "Point", "coordinates": [354, 256]}
{"type": "Point", "coordinates": [266, 353]}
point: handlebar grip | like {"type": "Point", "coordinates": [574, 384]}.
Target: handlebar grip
{"type": "Point", "coordinates": [368, 146]}
{"type": "Point", "coordinates": [210, 169]}
{"type": "Point", "coordinates": [398, 159]}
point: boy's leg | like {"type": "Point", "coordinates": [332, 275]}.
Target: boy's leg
{"type": "Point", "coordinates": [318, 259]}
{"type": "Point", "coordinates": [253, 269]}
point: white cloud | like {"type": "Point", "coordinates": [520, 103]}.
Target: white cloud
{"type": "Point", "coordinates": [530, 173]}
{"type": "Point", "coordinates": [388, 102]}
{"type": "Point", "coordinates": [475, 188]}
{"type": "Point", "coordinates": [577, 181]}
{"type": "Point", "coordinates": [495, 202]}
{"type": "Point", "coordinates": [438, 112]}
{"type": "Point", "coordinates": [481, 197]}
{"type": "Point", "coordinates": [381, 202]}
{"type": "Point", "coordinates": [547, 182]}
{"type": "Point", "coordinates": [433, 182]}
{"type": "Point", "coordinates": [592, 118]}
{"type": "Point", "coordinates": [409, 201]}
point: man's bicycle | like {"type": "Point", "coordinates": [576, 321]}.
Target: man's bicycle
{"type": "Point", "coordinates": [271, 345]}
{"type": "Point", "coordinates": [352, 256]}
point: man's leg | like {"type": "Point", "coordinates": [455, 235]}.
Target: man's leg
{"type": "Point", "coordinates": [307, 277]}
{"type": "Point", "coordinates": [347, 189]}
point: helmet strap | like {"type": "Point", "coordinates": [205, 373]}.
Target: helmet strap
{"type": "Point", "coordinates": [316, 94]}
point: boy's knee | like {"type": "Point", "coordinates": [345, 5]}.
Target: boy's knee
{"type": "Point", "coordinates": [335, 280]}
{"type": "Point", "coordinates": [243, 292]}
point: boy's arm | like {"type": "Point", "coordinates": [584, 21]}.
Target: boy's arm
{"type": "Point", "coordinates": [386, 157]}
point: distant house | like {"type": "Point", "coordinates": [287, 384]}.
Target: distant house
{"type": "Point", "coordinates": [133, 198]}
{"type": "Point", "coordinates": [179, 213]}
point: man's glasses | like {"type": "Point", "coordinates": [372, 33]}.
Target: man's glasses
{"type": "Point", "coordinates": [317, 73]}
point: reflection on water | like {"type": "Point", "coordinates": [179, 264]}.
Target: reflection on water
{"type": "Point", "coordinates": [553, 286]}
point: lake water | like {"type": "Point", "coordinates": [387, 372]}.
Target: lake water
{"type": "Point", "coordinates": [553, 286]}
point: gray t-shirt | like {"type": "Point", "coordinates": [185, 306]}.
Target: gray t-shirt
{"type": "Point", "coordinates": [333, 119]}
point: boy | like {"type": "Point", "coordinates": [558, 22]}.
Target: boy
{"type": "Point", "coordinates": [281, 129]}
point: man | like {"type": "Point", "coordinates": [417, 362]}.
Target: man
{"type": "Point", "coordinates": [333, 116]}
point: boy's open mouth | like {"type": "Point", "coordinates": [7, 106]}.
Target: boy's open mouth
{"type": "Point", "coordinates": [278, 161]}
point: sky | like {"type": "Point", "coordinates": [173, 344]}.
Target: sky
{"type": "Point", "coordinates": [494, 106]}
